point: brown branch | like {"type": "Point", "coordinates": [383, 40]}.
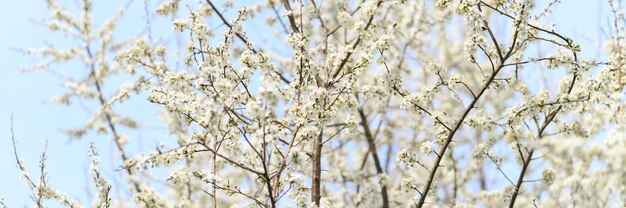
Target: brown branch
{"type": "Point", "coordinates": [283, 163]}
{"type": "Point", "coordinates": [349, 52]}
{"type": "Point", "coordinates": [372, 148]}
{"type": "Point", "coordinates": [520, 180]}
{"type": "Point", "coordinates": [238, 164]}
{"type": "Point", "coordinates": [493, 37]}
{"type": "Point", "coordinates": [266, 174]}
{"type": "Point", "coordinates": [242, 38]}
{"type": "Point", "coordinates": [292, 20]}
{"type": "Point", "coordinates": [109, 120]}
{"type": "Point", "coordinates": [544, 126]}
{"type": "Point", "coordinates": [549, 119]}
{"type": "Point", "coordinates": [317, 169]}
{"type": "Point", "coordinates": [37, 198]}
{"type": "Point", "coordinates": [280, 20]}
{"type": "Point", "coordinates": [448, 140]}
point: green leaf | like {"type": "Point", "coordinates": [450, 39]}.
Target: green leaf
{"type": "Point", "coordinates": [576, 48]}
{"type": "Point", "coordinates": [197, 175]}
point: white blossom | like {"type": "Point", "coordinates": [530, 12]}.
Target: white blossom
{"type": "Point", "coordinates": [306, 103]}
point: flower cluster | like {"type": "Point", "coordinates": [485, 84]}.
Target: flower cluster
{"type": "Point", "coordinates": [310, 109]}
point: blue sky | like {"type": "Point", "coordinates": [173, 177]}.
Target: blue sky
{"type": "Point", "coordinates": [26, 95]}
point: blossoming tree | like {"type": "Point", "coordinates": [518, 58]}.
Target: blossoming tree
{"type": "Point", "coordinates": [369, 103]}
